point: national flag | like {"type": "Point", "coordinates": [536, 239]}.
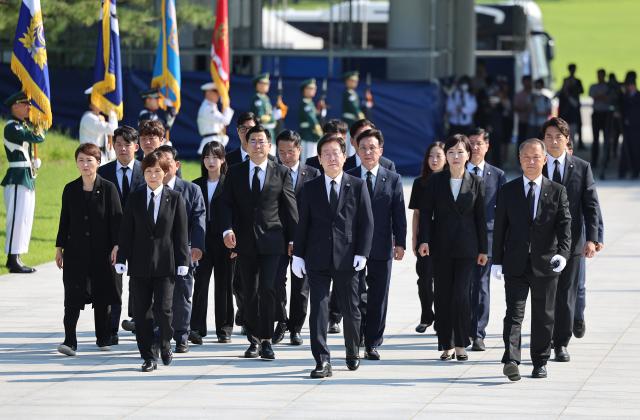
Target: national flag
{"type": "Point", "coordinates": [166, 71]}
{"type": "Point", "coordinates": [220, 52]}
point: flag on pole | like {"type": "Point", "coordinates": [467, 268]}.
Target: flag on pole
{"type": "Point", "coordinates": [166, 71]}
{"type": "Point", "coordinates": [29, 62]}
{"type": "Point", "coordinates": [107, 74]}
{"type": "Point", "coordinates": [220, 52]}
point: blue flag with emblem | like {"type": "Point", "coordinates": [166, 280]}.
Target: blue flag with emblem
{"type": "Point", "coordinates": [29, 62]}
{"type": "Point", "coordinates": [166, 71]}
{"type": "Point", "coordinates": [107, 73]}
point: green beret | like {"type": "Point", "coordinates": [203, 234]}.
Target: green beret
{"type": "Point", "coordinates": [150, 93]}
{"type": "Point", "coordinates": [17, 97]}
{"type": "Point", "coordinates": [262, 77]}
{"type": "Point", "coordinates": [349, 74]}
{"type": "Point", "coordinates": [308, 82]}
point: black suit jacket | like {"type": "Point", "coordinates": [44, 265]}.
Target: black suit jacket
{"type": "Point", "coordinates": [514, 235]}
{"type": "Point", "coordinates": [456, 229]}
{"type": "Point", "coordinates": [269, 228]}
{"type": "Point", "coordinates": [389, 217]}
{"type": "Point", "coordinates": [494, 179]}
{"type": "Point", "coordinates": [154, 250]}
{"type": "Point", "coordinates": [350, 163]}
{"type": "Point", "coordinates": [212, 215]}
{"type": "Point", "coordinates": [305, 173]}
{"type": "Point", "coordinates": [235, 156]}
{"type": "Point", "coordinates": [196, 211]}
{"type": "Point", "coordinates": [328, 242]}
{"type": "Point", "coordinates": [108, 172]}
{"type": "Point", "coordinates": [583, 202]}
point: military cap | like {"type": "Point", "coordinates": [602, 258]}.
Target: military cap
{"type": "Point", "coordinates": [349, 74]}
{"type": "Point", "coordinates": [150, 93]}
{"type": "Point", "coordinates": [308, 82]}
{"type": "Point", "coordinates": [208, 86]}
{"type": "Point", "coordinates": [88, 90]}
{"type": "Point", "coordinates": [262, 77]}
{"type": "Point", "coordinates": [16, 98]}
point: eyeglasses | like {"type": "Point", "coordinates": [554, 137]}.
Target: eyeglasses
{"type": "Point", "coordinates": [258, 142]}
{"type": "Point", "coordinates": [329, 155]}
{"type": "Point", "coordinates": [244, 128]}
{"type": "Point", "coordinates": [371, 149]}
{"type": "Point", "coordinates": [478, 143]}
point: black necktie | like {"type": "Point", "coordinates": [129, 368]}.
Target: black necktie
{"type": "Point", "coordinates": [531, 200]}
{"type": "Point", "coordinates": [556, 172]}
{"type": "Point", "coordinates": [333, 197]}
{"type": "Point", "coordinates": [125, 185]}
{"type": "Point", "coordinates": [151, 208]}
{"type": "Point", "coordinates": [255, 184]}
{"type": "Point", "coordinates": [476, 170]}
{"type": "Point", "coordinates": [246, 157]}
{"type": "Point", "coordinates": [370, 183]}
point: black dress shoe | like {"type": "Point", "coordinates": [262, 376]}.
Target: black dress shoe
{"type": "Point", "coordinates": [449, 356]}
{"type": "Point", "coordinates": [278, 333]}
{"type": "Point", "coordinates": [149, 366]}
{"type": "Point", "coordinates": [371, 354]}
{"type": "Point", "coordinates": [334, 328]}
{"type": "Point", "coordinates": [266, 351]}
{"type": "Point", "coordinates": [182, 348]}
{"type": "Point", "coordinates": [115, 340]}
{"type": "Point", "coordinates": [539, 372]}
{"type": "Point", "coordinates": [322, 370]}
{"type": "Point", "coordinates": [579, 328]}
{"type": "Point", "coordinates": [511, 371]}
{"type": "Point", "coordinates": [167, 357]}
{"type": "Point", "coordinates": [562, 355]}
{"type": "Point", "coordinates": [478, 345]}
{"type": "Point", "coordinates": [129, 325]}
{"type": "Point", "coordinates": [224, 339]}
{"type": "Point", "coordinates": [15, 265]}
{"type": "Point", "coordinates": [195, 338]}
{"type": "Point", "coordinates": [252, 351]}
{"type": "Point", "coordinates": [422, 327]}
{"type": "Point", "coordinates": [296, 339]}
{"type": "Point", "coordinates": [353, 363]}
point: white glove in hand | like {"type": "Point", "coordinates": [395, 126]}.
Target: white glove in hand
{"type": "Point", "coordinates": [359, 262]}
{"type": "Point", "coordinates": [297, 266]}
{"type": "Point", "coordinates": [37, 163]}
{"type": "Point", "coordinates": [121, 268]}
{"type": "Point", "coordinates": [183, 270]}
{"type": "Point", "coordinates": [562, 263]}
{"type": "Point", "coordinates": [496, 271]}
{"type": "Point", "coordinates": [277, 114]}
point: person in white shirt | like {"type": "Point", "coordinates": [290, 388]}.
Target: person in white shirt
{"type": "Point", "coordinates": [461, 105]}
{"type": "Point", "coordinates": [95, 129]}
{"type": "Point", "coordinates": [211, 122]}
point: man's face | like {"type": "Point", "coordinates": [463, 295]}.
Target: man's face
{"type": "Point", "coordinates": [479, 148]}
{"type": "Point", "coordinates": [242, 133]}
{"type": "Point", "coordinates": [125, 151]}
{"type": "Point", "coordinates": [262, 87]}
{"type": "Point", "coordinates": [152, 104]}
{"type": "Point", "coordinates": [149, 143]}
{"type": "Point", "coordinates": [526, 84]}
{"type": "Point", "coordinates": [601, 76]}
{"type": "Point", "coordinates": [154, 176]}
{"type": "Point", "coordinates": [21, 110]}
{"type": "Point", "coordinates": [555, 141]}
{"type": "Point", "coordinates": [173, 167]}
{"type": "Point", "coordinates": [369, 151]}
{"type": "Point", "coordinates": [310, 91]}
{"type": "Point", "coordinates": [332, 158]}
{"type": "Point", "coordinates": [357, 133]}
{"type": "Point", "coordinates": [532, 159]}
{"type": "Point", "coordinates": [351, 83]}
{"type": "Point", "coordinates": [212, 96]}
{"type": "Point", "coordinates": [259, 146]}
{"type": "Point", "coordinates": [289, 153]}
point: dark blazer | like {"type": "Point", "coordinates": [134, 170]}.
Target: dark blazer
{"type": "Point", "coordinates": [269, 228]}
{"type": "Point", "coordinates": [329, 243]}
{"type": "Point", "coordinates": [455, 229]}
{"type": "Point", "coordinates": [154, 250]}
{"type": "Point", "coordinates": [87, 234]}
{"type": "Point", "coordinates": [108, 172]}
{"type": "Point", "coordinates": [212, 215]}
{"type": "Point", "coordinates": [389, 217]}
{"type": "Point", "coordinates": [305, 173]}
{"type": "Point", "coordinates": [494, 178]}
{"type": "Point", "coordinates": [235, 156]}
{"type": "Point", "coordinates": [350, 163]}
{"type": "Point", "coordinates": [583, 201]}
{"type": "Point", "coordinates": [196, 211]}
{"type": "Point", "coordinates": [550, 233]}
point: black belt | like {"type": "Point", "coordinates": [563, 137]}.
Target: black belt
{"type": "Point", "coordinates": [210, 134]}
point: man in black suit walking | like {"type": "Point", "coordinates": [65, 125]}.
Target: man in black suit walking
{"type": "Point", "coordinates": [288, 143]}
{"type": "Point", "coordinates": [575, 174]}
{"type": "Point", "coordinates": [354, 160]}
{"type": "Point", "coordinates": [259, 217]}
{"type": "Point", "coordinates": [246, 121]}
{"type": "Point", "coordinates": [333, 239]}
{"type": "Point", "coordinates": [531, 244]}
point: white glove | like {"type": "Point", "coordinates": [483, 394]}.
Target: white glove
{"type": "Point", "coordinates": [359, 262]}
{"type": "Point", "coordinates": [297, 266]}
{"type": "Point", "coordinates": [183, 270]}
{"type": "Point", "coordinates": [496, 271]}
{"type": "Point", "coordinates": [276, 114]}
{"type": "Point", "coordinates": [37, 163]}
{"type": "Point", "coordinates": [562, 263]}
{"type": "Point", "coordinates": [121, 268]}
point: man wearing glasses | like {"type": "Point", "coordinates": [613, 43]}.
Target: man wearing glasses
{"type": "Point", "coordinates": [246, 121]}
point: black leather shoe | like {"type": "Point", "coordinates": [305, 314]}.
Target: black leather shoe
{"type": "Point", "coordinates": [511, 371]}
{"type": "Point", "coordinates": [353, 363]}
{"type": "Point", "coordinates": [15, 265]}
{"type": "Point", "coordinates": [296, 339]}
{"type": "Point", "coordinates": [115, 340]}
{"type": "Point", "coordinates": [224, 339]}
{"type": "Point", "coordinates": [371, 354]}
{"type": "Point", "coordinates": [266, 351]}
{"type": "Point", "coordinates": [322, 370]}
{"type": "Point", "coordinates": [444, 356]}
{"type": "Point", "coordinates": [149, 366]}
{"type": "Point", "coordinates": [167, 357]}
{"type": "Point", "coordinates": [579, 328]}
{"type": "Point", "coordinates": [278, 333]}
{"type": "Point", "coordinates": [252, 351]}
{"type": "Point", "coordinates": [195, 338]}
{"type": "Point", "coordinates": [129, 325]}
{"type": "Point", "coordinates": [478, 345]}
{"type": "Point", "coordinates": [422, 327]}
{"type": "Point", "coordinates": [334, 328]}
{"type": "Point", "coordinates": [182, 348]}
{"type": "Point", "coordinates": [539, 372]}
{"type": "Point", "coordinates": [462, 357]}
{"type": "Point", "coordinates": [562, 355]}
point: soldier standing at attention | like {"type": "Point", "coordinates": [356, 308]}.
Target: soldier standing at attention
{"type": "Point", "coordinates": [151, 110]}
{"type": "Point", "coordinates": [261, 105]}
{"type": "Point", "coordinates": [310, 129]}
{"type": "Point", "coordinates": [18, 183]}
{"type": "Point", "coordinates": [212, 122]}
{"type": "Point", "coordinates": [351, 110]}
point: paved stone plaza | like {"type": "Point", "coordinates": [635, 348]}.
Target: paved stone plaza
{"type": "Point", "coordinates": [212, 380]}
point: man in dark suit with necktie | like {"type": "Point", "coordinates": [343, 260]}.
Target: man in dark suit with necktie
{"type": "Point", "coordinates": [245, 122]}
{"type": "Point", "coordinates": [126, 173]}
{"type": "Point", "coordinates": [389, 236]}
{"type": "Point", "coordinates": [575, 174]}
{"type": "Point", "coordinates": [531, 245]}
{"type": "Point", "coordinates": [494, 179]}
{"type": "Point", "coordinates": [333, 238]}
{"type": "Point", "coordinates": [259, 217]}
{"type": "Point", "coordinates": [354, 160]}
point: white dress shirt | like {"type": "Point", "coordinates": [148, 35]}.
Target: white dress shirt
{"type": "Point", "coordinates": [455, 185]}
{"type": "Point", "coordinates": [211, 188]}
{"type": "Point", "coordinates": [327, 183]}
{"type": "Point", "coordinates": [480, 166]}
{"type": "Point", "coordinates": [551, 166]}
{"type": "Point", "coordinates": [358, 161]}
{"type": "Point", "coordinates": [374, 173]}
{"type": "Point", "coordinates": [119, 173]}
{"type": "Point", "coordinates": [261, 173]}
{"type": "Point", "coordinates": [244, 155]}
{"type": "Point", "coordinates": [294, 171]}
{"type": "Point", "coordinates": [536, 192]}
{"type": "Point", "coordinates": [156, 200]}
{"type": "Point", "coordinates": [172, 183]}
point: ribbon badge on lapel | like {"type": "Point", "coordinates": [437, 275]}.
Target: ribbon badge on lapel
{"type": "Point", "coordinates": [384, 179]}
{"type": "Point", "coordinates": [98, 192]}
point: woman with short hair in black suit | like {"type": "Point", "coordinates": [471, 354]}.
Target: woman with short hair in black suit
{"type": "Point", "coordinates": [87, 233]}
{"type": "Point", "coordinates": [217, 257]}
{"type": "Point", "coordinates": [453, 231]}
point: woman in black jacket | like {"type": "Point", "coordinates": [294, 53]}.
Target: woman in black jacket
{"type": "Point", "coordinates": [88, 231]}
{"type": "Point", "coordinates": [453, 231]}
{"type": "Point", "coordinates": [216, 257]}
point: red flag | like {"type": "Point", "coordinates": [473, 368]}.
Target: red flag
{"type": "Point", "coordinates": [220, 52]}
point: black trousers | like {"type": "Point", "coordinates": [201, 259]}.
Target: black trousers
{"type": "Point", "coordinates": [236, 282]}
{"type": "Point", "coordinates": [215, 260]}
{"type": "Point", "coordinates": [182, 307]}
{"type": "Point", "coordinates": [480, 300]}
{"type": "Point", "coordinates": [599, 123]}
{"type": "Point", "coordinates": [581, 298]}
{"type": "Point", "coordinates": [116, 310]}
{"type": "Point", "coordinates": [543, 296]}
{"type": "Point", "coordinates": [630, 153]}
{"type": "Point", "coordinates": [154, 299]}
{"type": "Point", "coordinates": [424, 270]}
{"type": "Point", "coordinates": [102, 320]}
{"type": "Point", "coordinates": [452, 290]}
{"type": "Point", "coordinates": [565, 307]}
{"type": "Point", "coordinates": [378, 280]}
{"type": "Point", "coordinates": [258, 273]}
{"type": "Point", "coordinates": [347, 287]}
{"type": "Point", "coordinates": [299, 301]}
{"type": "Point", "coordinates": [335, 316]}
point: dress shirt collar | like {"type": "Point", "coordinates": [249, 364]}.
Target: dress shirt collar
{"type": "Point", "coordinates": [481, 165]}
{"type": "Point", "coordinates": [172, 183]}
{"type": "Point", "coordinates": [358, 161]}
{"type": "Point", "coordinates": [338, 179]}
{"type": "Point", "coordinates": [243, 153]}
{"type": "Point", "coordinates": [374, 171]}
{"type": "Point", "coordinates": [295, 167]}
{"type": "Point", "coordinates": [156, 192]}
{"type": "Point", "coordinates": [561, 159]}
{"type": "Point", "coordinates": [262, 166]}
{"type": "Point", "coordinates": [526, 181]}
{"type": "Point", "coordinates": [119, 165]}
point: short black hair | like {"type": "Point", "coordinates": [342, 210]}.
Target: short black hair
{"type": "Point", "coordinates": [154, 158]}
{"type": "Point", "coordinates": [213, 148]}
{"type": "Point", "coordinates": [558, 123]}
{"type": "Point", "coordinates": [151, 128]}
{"type": "Point", "coordinates": [289, 135]}
{"type": "Point", "coordinates": [456, 139]}
{"type": "Point", "coordinates": [128, 134]}
{"type": "Point", "coordinates": [258, 129]}
{"type": "Point", "coordinates": [329, 138]}
{"type": "Point", "coordinates": [166, 148]}
{"type": "Point", "coordinates": [247, 116]}
{"type": "Point", "coordinates": [479, 131]}
{"type": "Point", "coordinates": [335, 126]}
{"type": "Point", "coordinates": [371, 132]}
{"type": "Point", "coordinates": [359, 124]}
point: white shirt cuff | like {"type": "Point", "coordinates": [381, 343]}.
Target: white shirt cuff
{"type": "Point", "coordinates": [183, 270]}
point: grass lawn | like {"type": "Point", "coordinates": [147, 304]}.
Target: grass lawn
{"type": "Point", "coordinates": [58, 168]}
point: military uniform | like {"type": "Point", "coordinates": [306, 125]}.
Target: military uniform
{"type": "Point", "coordinates": [212, 122]}
{"type": "Point", "coordinates": [263, 110]}
{"type": "Point", "coordinates": [310, 130]}
{"type": "Point", "coordinates": [167, 118]}
{"type": "Point", "coordinates": [351, 110]}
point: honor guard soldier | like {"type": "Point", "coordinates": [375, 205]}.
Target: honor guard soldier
{"type": "Point", "coordinates": [151, 110]}
{"type": "Point", "coordinates": [310, 129]}
{"type": "Point", "coordinates": [261, 105]}
{"type": "Point", "coordinates": [95, 129]}
{"type": "Point", "coordinates": [212, 122]}
{"type": "Point", "coordinates": [18, 183]}
{"type": "Point", "coordinates": [351, 111]}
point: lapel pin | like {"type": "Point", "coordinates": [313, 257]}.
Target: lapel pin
{"type": "Point", "coordinates": [488, 173]}
{"type": "Point", "coordinates": [545, 194]}
{"type": "Point", "coordinates": [384, 179]}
